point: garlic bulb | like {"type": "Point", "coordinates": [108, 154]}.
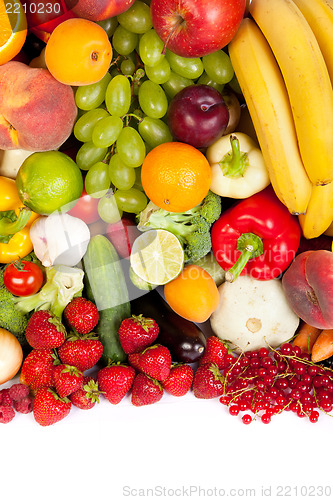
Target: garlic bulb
{"type": "Point", "coordinates": [59, 239]}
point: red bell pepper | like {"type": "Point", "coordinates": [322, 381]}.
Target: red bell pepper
{"type": "Point", "coordinates": [258, 236]}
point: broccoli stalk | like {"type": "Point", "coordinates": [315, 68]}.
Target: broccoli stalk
{"type": "Point", "coordinates": [192, 227]}
{"type": "Point", "coordinates": [63, 283]}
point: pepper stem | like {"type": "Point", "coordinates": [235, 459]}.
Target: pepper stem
{"type": "Point", "coordinates": [234, 163]}
{"type": "Point", "coordinates": [250, 246]}
{"type": "Point", "coordinates": [8, 227]}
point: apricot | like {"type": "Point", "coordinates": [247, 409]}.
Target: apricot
{"type": "Point", "coordinates": [37, 113]}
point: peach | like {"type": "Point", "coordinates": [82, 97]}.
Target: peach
{"type": "Point", "coordinates": [308, 287]}
{"type": "Point", "coordinates": [37, 113]}
{"type": "Point", "coordinates": [98, 10]}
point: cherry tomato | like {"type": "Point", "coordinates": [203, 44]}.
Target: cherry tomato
{"type": "Point", "coordinates": [85, 208]}
{"type": "Point", "coordinates": [23, 278]}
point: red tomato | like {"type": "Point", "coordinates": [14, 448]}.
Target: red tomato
{"type": "Point", "coordinates": [122, 235]}
{"type": "Point", "coordinates": [85, 208]}
{"type": "Point", "coordinates": [23, 279]}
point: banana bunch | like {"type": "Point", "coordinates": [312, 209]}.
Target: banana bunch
{"type": "Point", "coordinates": [282, 55]}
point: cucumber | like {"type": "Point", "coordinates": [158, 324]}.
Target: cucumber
{"type": "Point", "coordinates": [105, 285]}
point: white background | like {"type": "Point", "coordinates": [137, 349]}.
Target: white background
{"type": "Point", "coordinates": [166, 449]}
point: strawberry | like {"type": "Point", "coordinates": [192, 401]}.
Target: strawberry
{"type": "Point", "coordinates": [67, 379]}
{"type": "Point", "coordinates": [208, 382]}
{"type": "Point", "coordinates": [155, 361]}
{"type": "Point", "coordinates": [37, 369]}
{"type": "Point", "coordinates": [81, 315]}
{"type": "Point", "coordinates": [180, 379]}
{"type": "Point", "coordinates": [115, 381]}
{"type": "Point", "coordinates": [82, 351]}
{"type": "Point", "coordinates": [136, 333]}
{"type": "Point", "coordinates": [215, 352]}
{"type": "Point", "coordinates": [49, 408]}
{"type": "Point", "coordinates": [45, 330]}
{"type": "Point", "coordinates": [145, 390]}
{"type": "Point", "coordinates": [87, 395]}
{"type": "Point", "coordinates": [133, 360]}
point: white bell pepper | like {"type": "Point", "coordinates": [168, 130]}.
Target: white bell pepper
{"type": "Point", "coordinates": [237, 165]}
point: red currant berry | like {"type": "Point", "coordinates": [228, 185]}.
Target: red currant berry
{"type": "Point", "coordinates": [230, 358]}
{"type": "Point", "coordinates": [272, 370]}
{"type": "Point", "coordinates": [266, 418]}
{"type": "Point", "coordinates": [300, 368]}
{"type": "Point", "coordinates": [247, 419]}
{"type": "Point", "coordinates": [286, 348]}
{"type": "Point", "coordinates": [255, 362]}
{"type": "Point", "coordinates": [314, 415]}
{"type": "Point", "coordinates": [306, 378]}
{"type": "Point", "coordinates": [297, 350]}
{"type": "Point", "coordinates": [313, 370]}
{"type": "Point", "coordinates": [266, 362]}
{"type": "Point", "coordinates": [245, 361]}
{"type": "Point", "coordinates": [281, 366]}
{"type": "Point", "coordinates": [234, 410]}
{"type": "Point", "coordinates": [268, 380]}
{"type": "Point", "coordinates": [243, 405]}
{"type": "Point", "coordinates": [317, 381]}
{"type": "Point", "coordinates": [225, 399]}
{"type": "Point", "coordinates": [295, 394]}
{"type": "Point", "coordinates": [263, 352]}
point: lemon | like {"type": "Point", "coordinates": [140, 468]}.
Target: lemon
{"type": "Point", "coordinates": [157, 256]}
{"type": "Point", "coordinates": [49, 181]}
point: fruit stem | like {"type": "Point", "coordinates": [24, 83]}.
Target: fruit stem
{"type": "Point", "coordinates": [234, 163]}
{"type": "Point", "coordinates": [8, 227]}
{"type": "Point", "coordinates": [180, 20]}
{"type": "Point", "coordinates": [251, 246]}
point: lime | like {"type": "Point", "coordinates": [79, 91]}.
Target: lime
{"type": "Point", "coordinates": [157, 256]}
{"type": "Point", "coordinates": [49, 180]}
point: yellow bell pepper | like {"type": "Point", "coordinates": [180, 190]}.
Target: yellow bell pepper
{"type": "Point", "coordinates": [237, 165]}
{"type": "Point", "coordinates": [15, 222]}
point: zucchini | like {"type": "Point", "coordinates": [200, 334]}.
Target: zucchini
{"type": "Point", "coordinates": [184, 339]}
{"type": "Point", "coordinates": [105, 285]}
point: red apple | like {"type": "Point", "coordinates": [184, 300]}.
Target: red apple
{"type": "Point", "coordinates": [308, 286]}
{"type": "Point", "coordinates": [98, 10]}
{"type": "Point", "coordinates": [194, 28]}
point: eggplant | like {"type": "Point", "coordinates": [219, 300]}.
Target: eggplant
{"type": "Point", "coordinates": [184, 339]}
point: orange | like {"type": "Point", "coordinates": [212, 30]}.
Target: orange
{"type": "Point", "coordinates": [78, 52]}
{"type": "Point", "coordinates": [13, 29]}
{"type": "Point", "coordinates": [175, 176]}
{"type": "Point", "coordinates": [193, 294]}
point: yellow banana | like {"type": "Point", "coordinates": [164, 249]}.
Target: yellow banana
{"type": "Point", "coordinates": [266, 97]}
{"type": "Point", "coordinates": [319, 15]}
{"type": "Point", "coordinates": [307, 80]}
{"type": "Point", "coordinates": [319, 213]}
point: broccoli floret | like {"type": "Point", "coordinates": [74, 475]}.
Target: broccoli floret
{"type": "Point", "coordinates": [198, 245]}
{"type": "Point", "coordinates": [192, 227]}
{"type": "Point", "coordinates": [211, 207]}
{"type": "Point", "coordinates": [11, 319]}
{"type": "Point", "coordinates": [63, 283]}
